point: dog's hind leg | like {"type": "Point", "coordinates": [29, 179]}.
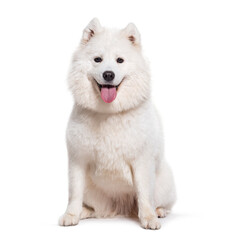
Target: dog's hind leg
{"type": "Point", "coordinates": [87, 212]}
{"type": "Point", "coordinates": [165, 194]}
{"type": "Point", "coordinates": [161, 212]}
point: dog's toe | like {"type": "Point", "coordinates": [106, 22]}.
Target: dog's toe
{"type": "Point", "coordinates": [68, 220]}
{"type": "Point", "coordinates": [151, 223]}
{"type": "Point", "coordinates": [161, 212]}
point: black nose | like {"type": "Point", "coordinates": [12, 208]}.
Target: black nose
{"type": "Point", "coordinates": [108, 76]}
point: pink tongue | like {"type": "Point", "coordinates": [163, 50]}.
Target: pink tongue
{"type": "Point", "coordinates": [108, 94]}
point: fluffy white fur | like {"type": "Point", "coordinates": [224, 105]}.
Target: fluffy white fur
{"type": "Point", "coordinates": [115, 150]}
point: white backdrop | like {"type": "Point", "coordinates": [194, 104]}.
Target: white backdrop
{"type": "Point", "coordinates": [185, 42]}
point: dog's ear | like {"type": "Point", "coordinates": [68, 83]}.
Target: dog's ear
{"type": "Point", "coordinates": [92, 28]}
{"type": "Point", "coordinates": [132, 34]}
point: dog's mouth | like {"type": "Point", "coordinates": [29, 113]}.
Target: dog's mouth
{"type": "Point", "coordinates": [108, 92]}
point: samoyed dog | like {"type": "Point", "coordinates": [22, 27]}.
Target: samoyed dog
{"type": "Point", "coordinates": [114, 135]}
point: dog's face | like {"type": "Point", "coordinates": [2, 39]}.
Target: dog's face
{"type": "Point", "coordinates": [108, 71]}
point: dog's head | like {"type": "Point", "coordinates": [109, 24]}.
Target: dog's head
{"type": "Point", "coordinates": [108, 72]}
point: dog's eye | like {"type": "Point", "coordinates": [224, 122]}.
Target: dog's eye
{"type": "Point", "coordinates": [98, 59]}
{"type": "Point", "coordinates": [120, 60]}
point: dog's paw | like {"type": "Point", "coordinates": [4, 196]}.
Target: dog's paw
{"type": "Point", "coordinates": [150, 223]}
{"type": "Point", "coordinates": [161, 212]}
{"type": "Point", "coordinates": [68, 220]}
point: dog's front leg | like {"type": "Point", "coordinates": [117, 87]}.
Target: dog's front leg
{"type": "Point", "coordinates": [76, 188]}
{"type": "Point", "coordinates": [144, 180]}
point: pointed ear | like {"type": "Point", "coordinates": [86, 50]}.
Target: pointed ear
{"type": "Point", "coordinates": [132, 34]}
{"type": "Point", "coordinates": [92, 28]}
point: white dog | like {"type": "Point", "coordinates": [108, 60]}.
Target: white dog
{"type": "Point", "coordinates": [114, 135]}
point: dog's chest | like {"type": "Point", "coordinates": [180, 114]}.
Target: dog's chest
{"type": "Point", "coordinates": [112, 145]}
{"type": "Point", "coordinates": [114, 139]}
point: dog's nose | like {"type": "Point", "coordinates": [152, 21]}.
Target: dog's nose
{"type": "Point", "coordinates": [108, 76]}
